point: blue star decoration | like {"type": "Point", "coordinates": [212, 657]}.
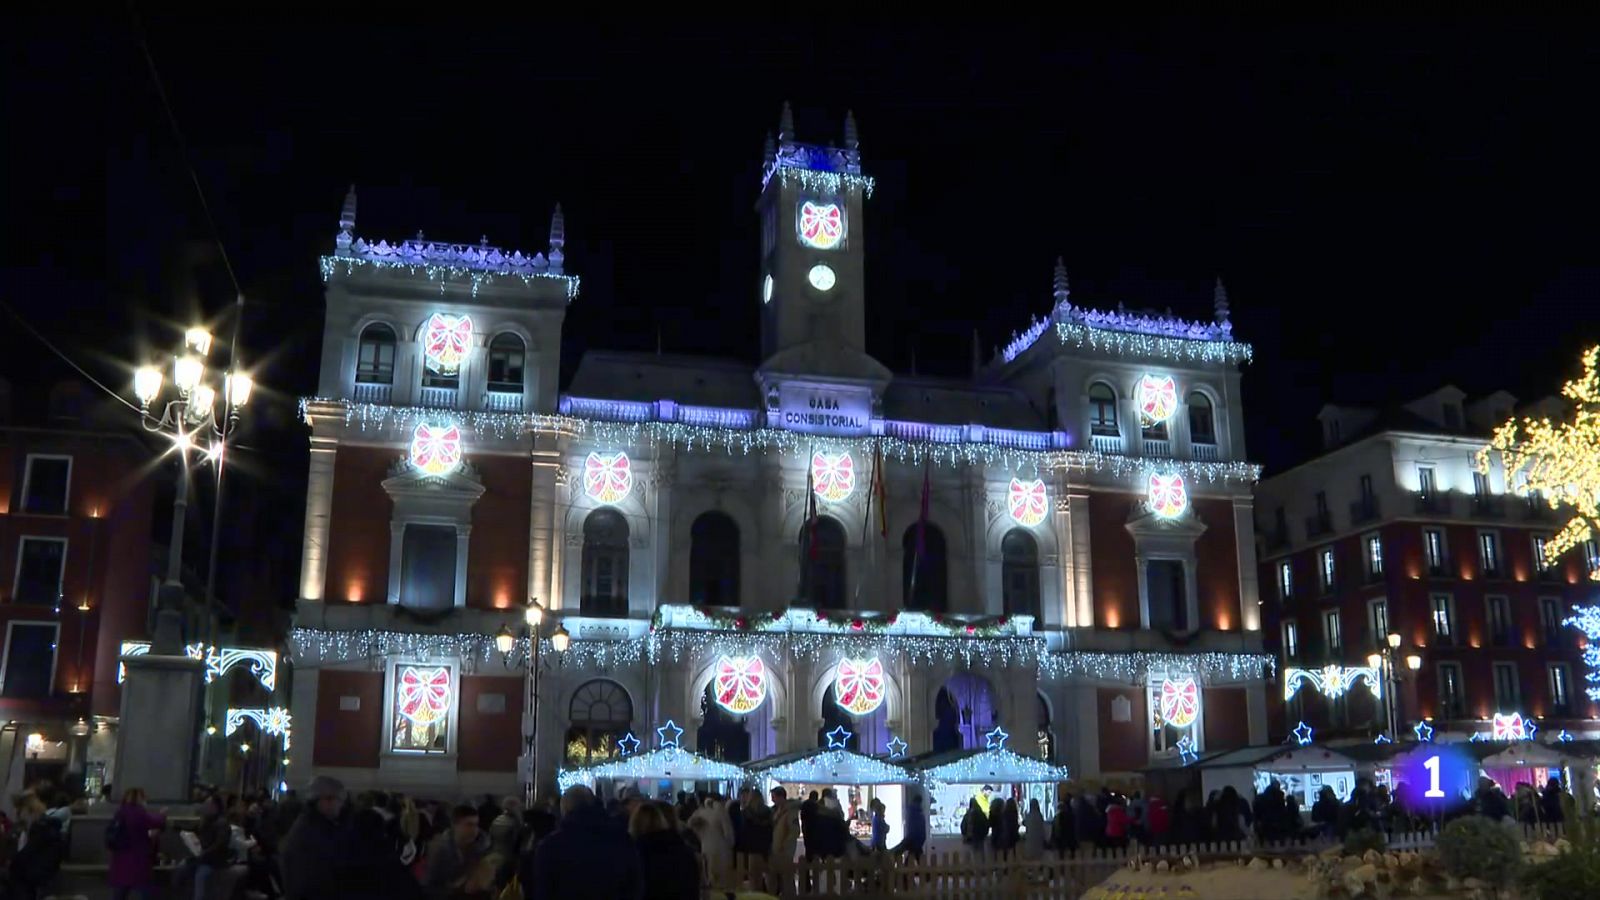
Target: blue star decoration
{"type": "Point", "coordinates": [1529, 726]}
{"type": "Point", "coordinates": [897, 748]}
{"type": "Point", "coordinates": [628, 744]}
{"type": "Point", "coordinates": [996, 739]}
{"type": "Point", "coordinates": [1424, 732]}
{"type": "Point", "coordinates": [1186, 751]}
{"type": "Point", "coordinates": [1382, 739]}
{"type": "Point", "coordinates": [670, 728]}
{"type": "Point", "coordinates": [1563, 736]}
{"type": "Point", "coordinates": [838, 738]}
{"type": "Point", "coordinates": [1302, 734]}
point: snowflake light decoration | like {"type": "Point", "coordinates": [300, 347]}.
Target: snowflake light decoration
{"type": "Point", "coordinates": [1167, 495]}
{"type": "Point", "coordinates": [445, 342]}
{"type": "Point", "coordinates": [740, 684]}
{"type": "Point", "coordinates": [821, 225]}
{"type": "Point", "coordinates": [607, 479]}
{"type": "Point", "coordinates": [858, 685]}
{"type": "Point", "coordinates": [1180, 702]}
{"type": "Point", "coordinates": [1158, 397]}
{"type": "Point", "coordinates": [1027, 502]}
{"type": "Point", "coordinates": [435, 450]}
{"type": "Point", "coordinates": [833, 475]}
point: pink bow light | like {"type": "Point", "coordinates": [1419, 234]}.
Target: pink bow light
{"type": "Point", "coordinates": [1167, 495]}
{"type": "Point", "coordinates": [1027, 502]}
{"type": "Point", "coordinates": [446, 342]}
{"type": "Point", "coordinates": [607, 478]}
{"type": "Point", "coordinates": [821, 224]}
{"type": "Point", "coordinates": [435, 451]}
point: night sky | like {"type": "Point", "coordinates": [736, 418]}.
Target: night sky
{"type": "Point", "coordinates": [1392, 205]}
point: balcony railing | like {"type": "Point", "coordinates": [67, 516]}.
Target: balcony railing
{"type": "Point", "coordinates": [1158, 448]}
{"type": "Point", "coordinates": [1105, 443]}
{"type": "Point", "coordinates": [1537, 510]}
{"type": "Point", "coordinates": [503, 401]}
{"type": "Point", "coordinates": [437, 398]}
{"type": "Point", "coordinates": [1318, 524]}
{"type": "Point", "coordinates": [374, 393]}
{"type": "Point", "coordinates": [1434, 502]}
{"type": "Point", "coordinates": [1363, 510]}
{"type": "Point", "coordinates": [1276, 538]}
{"type": "Point", "coordinates": [1205, 452]}
{"type": "Point", "coordinates": [1488, 506]}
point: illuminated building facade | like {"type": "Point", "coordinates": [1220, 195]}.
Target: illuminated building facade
{"type": "Point", "coordinates": [1061, 546]}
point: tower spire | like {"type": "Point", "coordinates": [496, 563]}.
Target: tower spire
{"type": "Point", "coordinates": [769, 151]}
{"type": "Point", "coordinates": [1219, 301]}
{"type": "Point", "coordinates": [558, 239]}
{"type": "Point", "coordinates": [1059, 286]}
{"type": "Point", "coordinates": [786, 124]}
{"type": "Point", "coordinates": [851, 140]}
{"type": "Point", "coordinates": [347, 223]}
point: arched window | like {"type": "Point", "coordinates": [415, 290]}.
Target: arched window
{"type": "Point", "coordinates": [506, 353]}
{"type": "Point", "coordinates": [834, 716]}
{"type": "Point", "coordinates": [822, 564]}
{"type": "Point", "coordinates": [964, 711]}
{"type": "Point", "coordinates": [924, 579]}
{"type": "Point", "coordinates": [714, 560]}
{"type": "Point", "coordinates": [1019, 573]}
{"type": "Point", "coordinates": [605, 564]}
{"type": "Point", "coordinates": [375, 355]}
{"type": "Point", "coordinates": [1103, 409]}
{"type": "Point", "coordinates": [601, 714]}
{"type": "Point", "coordinates": [1202, 424]}
{"type": "Point", "coordinates": [722, 734]}
{"type": "Point", "coordinates": [1047, 738]}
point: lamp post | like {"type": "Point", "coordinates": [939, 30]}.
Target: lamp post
{"type": "Point", "coordinates": [1383, 661]}
{"type": "Point", "coordinates": [505, 642]}
{"type": "Point", "coordinates": [185, 416]}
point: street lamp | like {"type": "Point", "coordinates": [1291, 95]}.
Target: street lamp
{"type": "Point", "coordinates": [534, 616]}
{"type": "Point", "coordinates": [1383, 662]}
{"type": "Point", "coordinates": [191, 411]}
{"type": "Point", "coordinates": [504, 641]}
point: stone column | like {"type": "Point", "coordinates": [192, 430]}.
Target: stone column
{"type": "Point", "coordinates": [303, 710]}
{"type": "Point", "coordinates": [661, 482]}
{"type": "Point", "coordinates": [319, 506]}
{"type": "Point", "coordinates": [542, 533]}
{"type": "Point", "coordinates": [1077, 581]}
{"type": "Point", "coordinates": [1255, 698]}
{"type": "Point", "coordinates": [559, 556]}
{"type": "Point", "coordinates": [1086, 703]}
{"type": "Point", "coordinates": [1244, 536]}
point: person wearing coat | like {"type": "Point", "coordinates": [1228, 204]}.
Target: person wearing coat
{"type": "Point", "coordinates": [710, 823]}
{"type": "Point", "coordinates": [785, 838]}
{"type": "Point", "coordinates": [316, 843]}
{"type": "Point", "coordinates": [671, 871]}
{"type": "Point", "coordinates": [133, 863]}
{"type": "Point", "coordinates": [1033, 838]}
{"type": "Point", "coordinates": [975, 827]}
{"type": "Point", "coordinates": [585, 858]}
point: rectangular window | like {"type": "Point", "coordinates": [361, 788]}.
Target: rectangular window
{"type": "Point", "coordinates": [1499, 617]}
{"type": "Point", "coordinates": [1425, 482]}
{"type": "Point", "coordinates": [1378, 621]}
{"type": "Point", "coordinates": [422, 707]}
{"type": "Point", "coordinates": [1452, 694]}
{"type": "Point", "coordinates": [1325, 567]}
{"type": "Point", "coordinates": [1433, 549]}
{"type": "Point", "coordinates": [30, 665]}
{"type": "Point", "coordinates": [1541, 564]}
{"type": "Point", "coordinates": [1489, 552]}
{"type": "Point", "coordinates": [1506, 696]}
{"type": "Point", "coordinates": [1322, 504]}
{"type": "Point", "coordinates": [46, 485]}
{"type": "Point", "coordinates": [1330, 630]}
{"type": "Point", "coordinates": [1285, 580]}
{"type": "Point", "coordinates": [1291, 639]}
{"type": "Point", "coordinates": [1560, 688]}
{"type": "Point", "coordinates": [375, 361]}
{"type": "Point", "coordinates": [1591, 556]}
{"type": "Point", "coordinates": [1444, 618]}
{"type": "Point", "coordinates": [428, 567]}
{"type": "Point", "coordinates": [41, 563]}
{"type": "Point", "coordinates": [1374, 556]}
{"type": "Point", "coordinates": [1480, 485]}
{"type": "Point", "coordinates": [1551, 616]}
{"type": "Point", "coordinates": [1166, 590]}
{"type": "Point", "coordinates": [1366, 488]}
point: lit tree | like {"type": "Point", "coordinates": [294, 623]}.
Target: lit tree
{"type": "Point", "coordinates": [1561, 460]}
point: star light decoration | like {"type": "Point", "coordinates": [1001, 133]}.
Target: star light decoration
{"type": "Point", "coordinates": [628, 744]}
{"type": "Point", "coordinates": [996, 739]}
{"type": "Point", "coordinates": [1186, 750]}
{"type": "Point", "coordinates": [1424, 732]}
{"type": "Point", "coordinates": [896, 747]}
{"type": "Point", "coordinates": [998, 449]}
{"type": "Point", "coordinates": [670, 728]}
{"type": "Point", "coordinates": [1302, 734]}
{"type": "Point", "coordinates": [1563, 736]}
{"type": "Point", "coordinates": [1560, 460]}
{"type": "Point", "coordinates": [1382, 739]}
{"type": "Point", "coordinates": [839, 738]}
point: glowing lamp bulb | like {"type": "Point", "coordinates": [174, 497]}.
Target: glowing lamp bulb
{"type": "Point", "coordinates": [1374, 660]}
{"type": "Point", "coordinates": [238, 386]}
{"type": "Point", "coordinates": [203, 402]}
{"type": "Point", "coordinates": [35, 742]}
{"type": "Point", "coordinates": [504, 640]}
{"type": "Point", "coordinates": [561, 640]}
{"type": "Point", "coordinates": [147, 384]}
{"type": "Point", "coordinates": [244, 748]}
{"type": "Point", "coordinates": [183, 441]}
{"type": "Point", "coordinates": [534, 614]}
{"type": "Point", "coordinates": [1413, 662]}
{"type": "Point", "coordinates": [187, 372]}
{"type": "Point", "coordinates": [1394, 641]}
{"type": "Point", "coordinates": [198, 340]}
{"type": "Point", "coordinates": [211, 729]}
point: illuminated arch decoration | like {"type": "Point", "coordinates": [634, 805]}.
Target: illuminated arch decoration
{"type": "Point", "coordinates": [445, 342]}
{"type": "Point", "coordinates": [1180, 701]}
{"type": "Point", "coordinates": [1027, 502]}
{"type": "Point", "coordinates": [424, 694]}
{"type": "Point", "coordinates": [858, 685]}
{"type": "Point", "coordinates": [263, 663]}
{"type": "Point", "coordinates": [273, 720]}
{"type": "Point", "coordinates": [1331, 681]}
{"type": "Point", "coordinates": [740, 683]}
{"type": "Point", "coordinates": [1167, 495]}
{"type": "Point", "coordinates": [607, 479]}
{"type": "Point", "coordinates": [435, 449]}
{"type": "Point", "coordinates": [1158, 397]}
{"type": "Point", "coordinates": [821, 225]}
{"type": "Point", "coordinates": [833, 475]}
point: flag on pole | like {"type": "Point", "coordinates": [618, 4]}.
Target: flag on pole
{"type": "Point", "coordinates": [880, 488]}
{"type": "Point", "coordinates": [811, 507]}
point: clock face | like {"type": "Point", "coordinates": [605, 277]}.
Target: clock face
{"type": "Point", "coordinates": [821, 277]}
{"type": "Point", "coordinates": [766, 289]}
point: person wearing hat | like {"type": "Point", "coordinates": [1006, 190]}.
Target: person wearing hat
{"type": "Point", "coordinates": [310, 853]}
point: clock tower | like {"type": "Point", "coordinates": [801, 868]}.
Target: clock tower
{"type": "Point", "coordinates": [811, 286]}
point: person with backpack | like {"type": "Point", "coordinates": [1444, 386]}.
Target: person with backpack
{"type": "Point", "coordinates": [132, 849]}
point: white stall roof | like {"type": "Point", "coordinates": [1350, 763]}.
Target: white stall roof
{"type": "Point", "coordinates": [672, 763]}
{"type": "Point", "coordinates": [988, 767]}
{"type": "Point", "coordinates": [822, 766]}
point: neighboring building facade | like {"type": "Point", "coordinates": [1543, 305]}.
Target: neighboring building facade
{"type": "Point", "coordinates": [1061, 548]}
{"type": "Point", "coordinates": [75, 516]}
{"type": "Point", "coordinates": [1392, 530]}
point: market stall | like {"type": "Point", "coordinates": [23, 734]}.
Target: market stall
{"type": "Point", "coordinates": [955, 777]}
{"type": "Point", "coordinates": [660, 773]}
{"type": "Point", "coordinates": [855, 779]}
